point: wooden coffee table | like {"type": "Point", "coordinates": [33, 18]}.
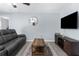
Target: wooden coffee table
{"type": "Point", "coordinates": [38, 47]}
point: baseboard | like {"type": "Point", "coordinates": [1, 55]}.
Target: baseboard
{"type": "Point", "coordinates": [49, 40]}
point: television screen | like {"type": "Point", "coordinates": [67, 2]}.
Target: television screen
{"type": "Point", "coordinates": [70, 21]}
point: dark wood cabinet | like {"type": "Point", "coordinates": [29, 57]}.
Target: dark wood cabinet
{"type": "Point", "coordinates": [69, 45]}
{"type": "Point", "coordinates": [59, 40]}
{"type": "Point", "coordinates": [57, 36]}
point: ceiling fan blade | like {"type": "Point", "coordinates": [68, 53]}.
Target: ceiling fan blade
{"type": "Point", "coordinates": [26, 4]}
{"type": "Point", "coordinates": [15, 6]}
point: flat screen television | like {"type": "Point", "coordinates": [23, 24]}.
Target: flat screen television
{"type": "Point", "coordinates": [69, 21]}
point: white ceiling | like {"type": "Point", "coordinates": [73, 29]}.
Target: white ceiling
{"type": "Point", "coordinates": [33, 8]}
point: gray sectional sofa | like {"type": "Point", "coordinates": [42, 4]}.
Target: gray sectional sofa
{"type": "Point", "coordinates": [10, 42]}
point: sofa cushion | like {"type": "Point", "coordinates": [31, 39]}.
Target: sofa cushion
{"type": "Point", "coordinates": [11, 31]}
{"type": "Point", "coordinates": [5, 32]}
{"type": "Point", "coordinates": [1, 40]}
{"type": "Point", "coordinates": [1, 48]}
{"type": "Point", "coordinates": [13, 45]}
{"type": "Point", "coordinates": [9, 37]}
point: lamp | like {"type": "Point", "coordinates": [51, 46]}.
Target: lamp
{"type": "Point", "coordinates": [34, 21]}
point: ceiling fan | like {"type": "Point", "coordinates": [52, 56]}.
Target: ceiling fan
{"type": "Point", "coordinates": [15, 6]}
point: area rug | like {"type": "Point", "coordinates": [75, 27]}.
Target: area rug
{"type": "Point", "coordinates": [28, 51]}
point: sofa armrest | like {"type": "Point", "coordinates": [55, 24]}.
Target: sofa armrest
{"type": "Point", "coordinates": [22, 35]}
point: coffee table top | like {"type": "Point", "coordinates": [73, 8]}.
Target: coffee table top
{"type": "Point", "coordinates": [38, 42]}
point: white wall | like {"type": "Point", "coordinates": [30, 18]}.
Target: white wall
{"type": "Point", "coordinates": [49, 20]}
{"type": "Point", "coordinates": [46, 27]}
{"type": "Point", "coordinates": [70, 8]}
{"type": "Point", "coordinates": [47, 14]}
